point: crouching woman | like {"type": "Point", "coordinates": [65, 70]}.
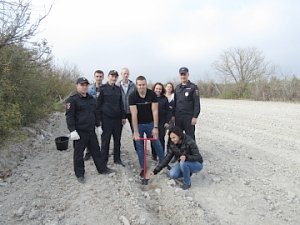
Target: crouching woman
{"type": "Point", "coordinates": [186, 151]}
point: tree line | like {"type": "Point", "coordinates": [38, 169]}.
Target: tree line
{"type": "Point", "coordinates": [245, 74]}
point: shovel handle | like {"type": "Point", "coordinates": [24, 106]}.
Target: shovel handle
{"type": "Point", "coordinates": [145, 152]}
{"type": "Point", "coordinates": [148, 139]}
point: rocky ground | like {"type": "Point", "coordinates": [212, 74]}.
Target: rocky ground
{"type": "Point", "coordinates": [251, 175]}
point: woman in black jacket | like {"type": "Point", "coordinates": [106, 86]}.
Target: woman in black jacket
{"type": "Point", "coordinates": [185, 150]}
{"type": "Point", "coordinates": [163, 109]}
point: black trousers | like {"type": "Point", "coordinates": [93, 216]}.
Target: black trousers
{"type": "Point", "coordinates": [128, 117]}
{"type": "Point", "coordinates": [111, 127]}
{"type": "Point", "coordinates": [161, 134]}
{"type": "Point", "coordinates": [184, 123]}
{"type": "Point", "coordinates": [89, 140]}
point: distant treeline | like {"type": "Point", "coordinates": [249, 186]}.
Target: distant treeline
{"type": "Point", "coordinates": [273, 89]}
{"type": "Point", "coordinates": [247, 75]}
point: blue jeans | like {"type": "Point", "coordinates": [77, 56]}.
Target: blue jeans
{"type": "Point", "coordinates": [184, 169]}
{"type": "Point", "coordinates": [147, 129]}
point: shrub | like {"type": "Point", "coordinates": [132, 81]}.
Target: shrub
{"type": "Point", "coordinates": [29, 88]}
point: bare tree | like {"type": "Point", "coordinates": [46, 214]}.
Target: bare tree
{"type": "Point", "coordinates": [15, 24]}
{"type": "Point", "coordinates": [242, 66]}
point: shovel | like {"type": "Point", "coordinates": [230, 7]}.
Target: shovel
{"type": "Point", "coordinates": [145, 179]}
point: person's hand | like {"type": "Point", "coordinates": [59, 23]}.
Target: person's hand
{"type": "Point", "coordinates": [99, 130]}
{"type": "Point", "coordinates": [123, 121]}
{"type": "Point", "coordinates": [74, 136]}
{"type": "Point", "coordinates": [166, 126]}
{"type": "Point", "coordinates": [154, 172]}
{"type": "Point", "coordinates": [136, 136]}
{"type": "Point", "coordinates": [155, 132]}
{"type": "Point", "coordinates": [194, 121]}
{"type": "Point", "coordinates": [182, 158]}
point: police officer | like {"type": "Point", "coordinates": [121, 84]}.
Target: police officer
{"type": "Point", "coordinates": [111, 115]}
{"type": "Point", "coordinates": [81, 122]}
{"type": "Point", "coordinates": [186, 103]}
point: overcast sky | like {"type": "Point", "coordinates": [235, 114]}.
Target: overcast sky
{"type": "Point", "coordinates": [154, 38]}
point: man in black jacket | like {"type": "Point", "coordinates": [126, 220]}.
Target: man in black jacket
{"type": "Point", "coordinates": [111, 115]}
{"type": "Point", "coordinates": [186, 103]}
{"type": "Point", "coordinates": [81, 122]}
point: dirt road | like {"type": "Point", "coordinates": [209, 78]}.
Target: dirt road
{"type": "Point", "coordinates": [251, 175]}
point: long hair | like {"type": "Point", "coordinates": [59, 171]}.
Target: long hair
{"type": "Point", "coordinates": [176, 130]}
{"type": "Point", "coordinates": [162, 86]}
{"type": "Point", "coordinates": [171, 85]}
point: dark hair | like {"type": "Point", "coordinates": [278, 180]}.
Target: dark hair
{"type": "Point", "coordinates": [171, 85]}
{"type": "Point", "coordinates": [176, 130]}
{"type": "Point", "coordinates": [98, 71]}
{"type": "Point", "coordinates": [140, 78]}
{"type": "Point", "coordinates": [162, 86]}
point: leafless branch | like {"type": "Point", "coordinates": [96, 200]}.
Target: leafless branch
{"type": "Point", "coordinates": [15, 25]}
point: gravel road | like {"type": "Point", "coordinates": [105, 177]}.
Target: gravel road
{"type": "Point", "coordinates": [251, 175]}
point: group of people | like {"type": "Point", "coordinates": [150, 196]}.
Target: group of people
{"type": "Point", "coordinates": [103, 109]}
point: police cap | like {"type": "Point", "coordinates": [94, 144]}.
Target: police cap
{"type": "Point", "coordinates": [183, 70]}
{"type": "Point", "coordinates": [82, 80]}
{"type": "Point", "coordinates": [113, 72]}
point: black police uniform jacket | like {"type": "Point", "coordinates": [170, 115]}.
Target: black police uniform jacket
{"type": "Point", "coordinates": [186, 100]}
{"type": "Point", "coordinates": [109, 103]}
{"type": "Point", "coordinates": [188, 147]}
{"type": "Point", "coordinates": [81, 113]}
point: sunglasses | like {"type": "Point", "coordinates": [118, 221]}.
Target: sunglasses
{"type": "Point", "coordinates": [183, 74]}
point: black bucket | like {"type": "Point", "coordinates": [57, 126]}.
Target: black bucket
{"type": "Point", "coordinates": [62, 143]}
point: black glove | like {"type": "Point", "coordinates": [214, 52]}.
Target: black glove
{"type": "Point", "coordinates": [155, 171]}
